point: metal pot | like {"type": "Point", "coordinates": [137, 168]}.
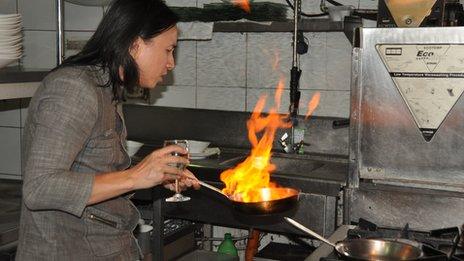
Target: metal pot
{"type": "Point", "coordinates": [285, 202]}
{"type": "Point", "coordinates": [367, 249]}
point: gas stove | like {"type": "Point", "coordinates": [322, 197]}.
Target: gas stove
{"type": "Point", "coordinates": [441, 244]}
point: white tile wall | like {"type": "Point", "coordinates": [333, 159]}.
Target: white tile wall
{"type": "Point", "coordinates": [10, 113]}
{"type": "Point", "coordinates": [253, 95]}
{"type": "Point", "coordinates": [222, 61]}
{"type": "Point", "coordinates": [38, 14]}
{"type": "Point", "coordinates": [24, 108]}
{"type": "Point", "coordinates": [76, 36]}
{"type": "Point", "coordinates": [185, 72]}
{"type": "Point", "coordinates": [217, 98]}
{"type": "Point", "coordinates": [39, 49]}
{"type": "Point", "coordinates": [332, 103]}
{"type": "Point", "coordinates": [174, 96]}
{"type": "Point", "coordinates": [10, 152]}
{"type": "Point", "coordinates": [182, 3]}
{"type": "Point", "coordinates": [269, 56]}
{"type": "Point", "coordinates": [368, 4]}
{"type": "Point", "coordinates": [338, 62]}
{"type": "Point", "coordinates": [8, 7]}
{"type": "Point", "coordinates": [227, 73]}
{"type": "Point", "coordinates": [79, 17]}
{"type": "Point", "coordinates": [314, 63]}
{"type": "Point", "coordinates": [230, 61]}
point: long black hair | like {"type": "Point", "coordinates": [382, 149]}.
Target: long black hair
{"type": "Point", "coordinates": [109, 47]}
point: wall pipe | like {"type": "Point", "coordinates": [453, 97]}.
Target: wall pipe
{"type": "Point", "coordinates": [59, 31]}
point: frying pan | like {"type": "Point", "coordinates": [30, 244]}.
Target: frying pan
{"type": "Point", "coordinates": [286, 202]}
{"type": "Point", "coordinates": [367, 249]}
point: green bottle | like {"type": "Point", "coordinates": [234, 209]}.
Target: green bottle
{"type": "Point", "coordinates": [227, 246]}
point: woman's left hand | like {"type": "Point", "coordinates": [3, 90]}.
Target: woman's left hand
{"type": "Point", "coordinates": [189, 181]}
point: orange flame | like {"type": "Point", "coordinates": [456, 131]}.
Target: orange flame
{"type": "Point", "coordinates": [254, 173]}
{"type": "Point", "coordinates": [244, 4]}
{"type": "Point", "coordinates": [313, 103]}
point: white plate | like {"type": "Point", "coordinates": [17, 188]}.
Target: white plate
{"type": "Point", "coordinates": [9, 15]}
{"type": "Point", "coordinates": [207, 153]}
{"type": "Point", "coordinates": [10, 20]}
{"type": "Point", "coordinates": [10, 26]}
{"type": "Point", "coordinates": [10, 42]}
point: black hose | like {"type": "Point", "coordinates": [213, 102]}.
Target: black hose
{"type": "Point", "coordinates": [335, 3]}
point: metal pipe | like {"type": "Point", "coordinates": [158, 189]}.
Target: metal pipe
{"type": "Point", "coordinates": [296, 19]}
{"type": "Point", "coordinates": [295, 73]}
{"type": "Point", "coordinates": [59, 31]}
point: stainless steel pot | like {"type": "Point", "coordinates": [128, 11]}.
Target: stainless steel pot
{"type": "Point", "coordinates": [367, 249]}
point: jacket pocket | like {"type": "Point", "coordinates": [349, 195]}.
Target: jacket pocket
{"type": "Point", "coordinates": [101, 149]}
{"type": "Point", "coordinates": [104, 234]}
{"type": "Point", "coordinates": [107, 139]}
{"type": "Point", "coordinates": [103, 220]}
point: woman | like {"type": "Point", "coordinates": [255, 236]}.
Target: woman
{"type": "Point", "coordinates": [75, 202]}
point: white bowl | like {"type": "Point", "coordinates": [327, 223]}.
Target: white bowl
{"type": "Point", "coordinates": [196, 146]}
{"type": "Point", "coordinates": [132, 147]}
{"type": "Point", "coordinates": [90, 2]}
{"type": "Point", "coordinates": [9, 22]}
{"type": "Point", "coordinates": [3, 16]}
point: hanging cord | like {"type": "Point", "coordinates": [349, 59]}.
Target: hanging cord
{"type": "Point", "coordinates": [305, 14]}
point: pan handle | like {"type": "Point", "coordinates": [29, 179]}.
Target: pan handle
{"type": "Point", "coordinates": [206, 185]}
{"type": "Point", "coordinates": [309, 231]}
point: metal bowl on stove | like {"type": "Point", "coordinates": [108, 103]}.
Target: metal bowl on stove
{"type": "Point", "coordinates": [370, 249]}
{"type": "Point", "coordinates": [288, 199]}
{"type": "Point", "coordinates": [376, 249]}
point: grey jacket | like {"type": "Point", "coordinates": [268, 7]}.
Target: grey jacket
{"type": "Point", "coordinates": [74, 130]}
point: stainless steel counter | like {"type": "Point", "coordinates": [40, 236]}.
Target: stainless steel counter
{"type": "Point", "coordinates": [19, 74]}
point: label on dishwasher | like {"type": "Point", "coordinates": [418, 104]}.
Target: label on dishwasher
{"type": "Point", "coordinates": [429, 77]}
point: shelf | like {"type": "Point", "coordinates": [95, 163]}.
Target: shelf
{"type": "Point", "coordinates": [19, 74]}
{"type": "Point", "coordinates": [16, 82]}
{"type": "Point", "coordinates": [17, 90]}
{"type": "Point", "coordinates": [306, 25]}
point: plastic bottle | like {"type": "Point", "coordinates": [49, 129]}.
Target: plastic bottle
{"type": "Point", "coordinates": [227, 246]}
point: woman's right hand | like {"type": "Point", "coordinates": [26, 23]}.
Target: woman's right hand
{"type": "Point", "coordinates": [157, 168]}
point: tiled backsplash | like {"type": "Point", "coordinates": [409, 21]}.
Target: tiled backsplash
{"type": "Point", "coordinates": [12, 118]}
{"type": "Point", "coordinates": [228, 72]}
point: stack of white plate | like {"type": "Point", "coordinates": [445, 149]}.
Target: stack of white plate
{"type": "Point", "coordinates": [11, 38]}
